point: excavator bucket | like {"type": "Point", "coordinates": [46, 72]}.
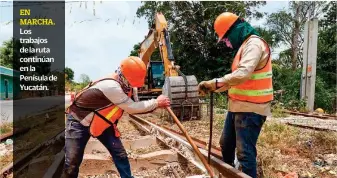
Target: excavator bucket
{"type": "Point", "coordinates": [183, 93]}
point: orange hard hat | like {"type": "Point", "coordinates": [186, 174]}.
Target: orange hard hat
{"type": "Point", "coordinates": [223, 23]}
{"type": "Point", "coordinates": [134, 71]}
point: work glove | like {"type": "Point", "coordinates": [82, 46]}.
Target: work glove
{"type": "Point", "coordinates": [205, 87]}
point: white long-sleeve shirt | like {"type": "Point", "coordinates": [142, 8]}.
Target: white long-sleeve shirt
{"type": "Point", "coordinates": [115, 94]}
{"type": "Point", "coordinates": [113, 91]}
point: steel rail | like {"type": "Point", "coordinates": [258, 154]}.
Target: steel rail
{"type": "Point", "coordinates": [310, 127]}
{"type": "Point", "coordinates": [188, 156]}
{"type": "Point", "coordinates": [20, 163]}
{"type": "Point", "coordinates": [55, 170]}
{"type": "Point", "coordinates": [20, 131]}
{"type": "Point", "coordinates": [325, 116]}
{"type": "Point", "coordinates": [221, 168]}
{"type": "Point", "coordinates": [215, 151]}
{"type": "Point", "coordinates": [190, 141]}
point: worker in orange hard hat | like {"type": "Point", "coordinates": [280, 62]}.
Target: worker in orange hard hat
{"type": "Point", "coordinates": [96, 110]}
{"type": "Point", "coordinates": [249, 86]}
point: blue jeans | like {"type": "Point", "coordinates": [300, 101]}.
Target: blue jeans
{"type": "Point", "coordinates": [77, 137]}
{"type": "Point", "coordinates": [241, 131]}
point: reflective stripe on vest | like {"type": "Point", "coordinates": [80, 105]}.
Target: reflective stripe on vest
{"type": "Point", "coordinates": [251, 92]}
{"type": "Point", "coordinates": [258, 88]}
{"type": "Point", "coordinates": [262, 75]}
{"type": "Point", "coordinates": [112, 112]}
{"type": "Point", "coordinates": [98, 125]}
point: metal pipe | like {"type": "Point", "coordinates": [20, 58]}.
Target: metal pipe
{"type": "Point", "coordinates": [195, 148]}
{"type": "Point", "coordinates": [225, 169]}
{"type": "Point", "coordinates": [210, 128]}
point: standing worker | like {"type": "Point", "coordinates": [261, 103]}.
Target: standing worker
{"type": "Point", "coordinates": [96, 110]}
{"type": "Point", "coordinates": [249, 88]}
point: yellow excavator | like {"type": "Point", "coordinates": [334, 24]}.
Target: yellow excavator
{"type": "Point", "coordinates": [164, 77]}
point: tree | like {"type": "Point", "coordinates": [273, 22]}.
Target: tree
{"type": "Point", "coordinates": [70, 73]}
{"type": "Point", "coordinates": [84, 80]}
{"type": "Point", "coordinates": [10, 57]}
{"type": "Point", "coordinates": [10, 54]}
{"type": "Point", "coordinates": [326, 52]}
{"type": "Point", "coordinates": [135, 50]}
{"type": "Point", "coordinates": [325, 89]}
{"type": "Point", "coordinates": [192, 35]}
{"type": "Point", "coordinates": [327, 44]}
{"type": "Point", "coordinates": [290, 25]}
{"type": "Point", "coordinates": [6, 54]}
{"type": "Point", "coordinates": [270, 36]}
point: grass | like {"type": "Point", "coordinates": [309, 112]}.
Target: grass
{"type": "Point", "coordinates": [281, 148]}
{"type": "Point", "coordinates": [5, 160]}
{"type": "Point", "coordinates": [278, 111]}
{"type": "Point", "coordinates": [219, 121]}
{"type": "Point", "coordinates": [326, 141]}
{"type": "Point", "coordinates": [274, 139]}
{"type": "Point", "coordinates": [275, 134]}
{"type": "Point", "coordinates": [284, 149]}
{"type": "Point", "coordinates": [6, 128]}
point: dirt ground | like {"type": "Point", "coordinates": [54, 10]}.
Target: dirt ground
{"type": "Point", "coordinates": [153, 166]}
{"type": "Point", "coordinates": [282, 149]}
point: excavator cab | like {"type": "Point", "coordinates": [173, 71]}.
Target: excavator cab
{"type": "Point", "coordinates": [156, 77]}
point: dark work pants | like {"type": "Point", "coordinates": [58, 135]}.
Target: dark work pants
{"type": "Point", "coordinates": [241, 131]}
{"type": "Point", "coordinates": [77, 137]}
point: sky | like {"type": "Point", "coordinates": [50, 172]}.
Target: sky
{"type": "Point", "coordinates": [96, 42]}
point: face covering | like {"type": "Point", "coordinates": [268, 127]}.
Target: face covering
{"type": "Point", "coordinates": [240, 31]}
{"type": "Point", "coordinates": [228, 43]}
{"type": "Point", "coordinates": [122, 81]}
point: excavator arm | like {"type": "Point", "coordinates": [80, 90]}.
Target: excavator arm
{"type": "Point", "coordinates": [158, 36]}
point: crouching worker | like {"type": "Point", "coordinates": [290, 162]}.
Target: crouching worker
{"type": "Point", "coordinates": [96, 110]}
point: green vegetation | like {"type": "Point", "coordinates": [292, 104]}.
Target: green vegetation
{"type": "Point", "coordinates": [71, 85]}
{"type": "Point", "coordinates": [6, 128]}
{"type": "Point", "coordinates": [281, 146]}
{"type": "Point", "coordinates": [195, 49]}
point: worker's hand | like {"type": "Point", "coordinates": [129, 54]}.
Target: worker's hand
{"type": "Point", "coordinates": [206, 87]}
{"type": "Point", "coordinates": [163, 101]}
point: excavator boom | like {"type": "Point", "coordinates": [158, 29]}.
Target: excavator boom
{"type": "Point", "coordinates": [147, 47]}
{"type": "Point", "coordinates": [158, 36]}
